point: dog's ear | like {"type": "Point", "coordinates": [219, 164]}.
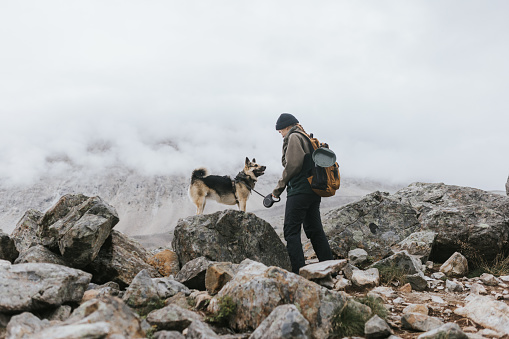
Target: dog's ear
{"type": "Point", "coordinates": [254, 160]}
{"type": "Point", "coordinates": [247, 161]}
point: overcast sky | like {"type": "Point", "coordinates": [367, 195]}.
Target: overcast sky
{"type": "Point", "coordinates": [402, 91]}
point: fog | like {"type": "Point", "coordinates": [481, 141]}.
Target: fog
{"type": "Point", "coordinates": [401, 91]}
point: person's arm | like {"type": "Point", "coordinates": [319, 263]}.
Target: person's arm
{"type": "Point", "coordinates": [294, 156]}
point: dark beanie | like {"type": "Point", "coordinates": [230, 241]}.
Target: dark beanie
{"type": "Point", "coordinates": [285, 120]}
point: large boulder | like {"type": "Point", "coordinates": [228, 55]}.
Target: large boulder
{"type": "Point", "coordinates": [77, 226]}
{"type": "Point", "coordinates": [230, 236]}
{"type": "Point", "coordinates": [467, 220]}
{"type": "Point", "coordinates": [257, 290]}
{"type": "Point", "coordinates": [373, 223]}
{"type": "Point", "coordinates": [8, 249]}
{"type": "Point", "coordinates": [34, 286]}
{"type": "Point", "coordinates": [120, 260]}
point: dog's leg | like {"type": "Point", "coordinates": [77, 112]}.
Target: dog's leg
{"type": "Point", "coordinates": [200, 205]}
{"type": "Point", "coordinates": [242, 205]}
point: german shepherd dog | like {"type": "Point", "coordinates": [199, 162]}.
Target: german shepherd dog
{"type": "Point", "coordinates": [224, 189]}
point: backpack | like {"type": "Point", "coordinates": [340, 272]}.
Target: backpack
{"type": "Point", "coordinates": [324, 181]}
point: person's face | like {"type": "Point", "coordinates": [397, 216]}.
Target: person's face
{"type": "Point", "coordinates": [284, 131]}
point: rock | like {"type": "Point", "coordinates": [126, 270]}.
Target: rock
{"type": "Point", "coordinates": [201, 299]}
{"type": "Point", "coordinates": [377, 328]}
{"type": "Point", "coordinates": [168, 335]}
{"type": "Point", "coordinates": [323, 269]}
{"type": "Point", "coordinates": [40, 254]}
{"type": "Point", "coordinates": [374, 223]}
{"type": "Point", "coordinates": [193, 273]}
{"type": "Point", "coordinates": [34, 286]}
{"type": "Point", "coordinates": [449, 330]}
{"type": "Point", "coordinates": [25, 325]}
{"type": "Point", "coordinates": [8, 250]}
{"type": "Point", "coordinates": [218, 274]}
{"type": "Point", "coordinates": [168, 287]}
{"type": "Point", "coordinates": [478, 289]}
{"type": "Point", "coordinates": [416, 308]}
{"type": "Point", "coordinates": [107, 317]}
{"type": "Point", "coordinates": [25, 233]}
{"type": "Point", "coordinates": [409, 264]}
{"type": "Point", "coordinates": [166, 262]}
{"type": "Point", "coordinates": [142, 291]}
{"type": "Point", "coordinates": [62, 313]}
{"type": "Point", "coordinates": [486, 312]}
{"type": "Point", "coordinates": [78, 226]}
{"type": "Point", "coordinates": [366, 279]}
{"type": "Point", "coordinates": [453, 286]}
{"type": "Point", "coordinates": [120, 260]}
{"type": "Point", "coordinates": [489, 279]}
{"type": "Point", "coordinates": [284, 321]}
{"type": "Point", "coordinates": [418, 281]}
{"type": "Point", "coordinates": [418, 244]}
{"type": "Point", "coordinates": [229, 236]}
{"type": "Point", "coordinates": [420, 322]}
{"type": "Point", "coordinates": [462, 217]}
{"type": "Point", "coordinates": [257, 290]}
{"type": "Point", "coordinates": [172, 318]}
{"type": "Point", "coordinates": [200, 330]}
{"type": "Point", "coordinates": [357, 256]}
{"type": "Point", "coordinates": [455, 266]}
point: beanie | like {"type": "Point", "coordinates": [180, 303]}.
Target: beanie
{"type": "Point", "coordinates": [285, 120]}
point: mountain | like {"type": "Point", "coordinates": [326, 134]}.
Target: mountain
{"type": "Point", "coordinates": [149, 206]}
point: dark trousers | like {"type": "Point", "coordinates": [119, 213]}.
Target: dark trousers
{"type": "Point", "coordinates": [304, 209]}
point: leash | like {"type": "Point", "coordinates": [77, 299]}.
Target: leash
{"type": "Point", "coordinates": [241, 179]}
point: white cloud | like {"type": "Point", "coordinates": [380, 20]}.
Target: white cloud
{"type": "Point", "coordinates": [402, 91]}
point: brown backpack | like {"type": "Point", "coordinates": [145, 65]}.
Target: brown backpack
{"type": "Point", "coordinates": [324, 181]}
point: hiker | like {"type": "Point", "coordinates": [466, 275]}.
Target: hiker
{"type": "Point", "coordinates": [302, 204]}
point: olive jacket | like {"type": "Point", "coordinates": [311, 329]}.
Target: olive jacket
{"type": "Point", "coordinates": [297, 163]}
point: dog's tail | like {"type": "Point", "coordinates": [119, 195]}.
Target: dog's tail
{"type": "Point", "coordinates": [199, 173]}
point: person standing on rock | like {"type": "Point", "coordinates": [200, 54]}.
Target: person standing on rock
{"type": "Point", "coordinates": [302, 204]}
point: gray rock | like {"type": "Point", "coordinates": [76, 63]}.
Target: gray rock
{"type": "Point", "coordinates": [418, 281]}
{"type": "Point", "coordinates": [172, 318]}
{"type": "Point", "coordinates": [78, 226]}
{"type": "Point", "coordinates": [39, 254]}
{"type": "Point", "coordinates": [192, 274]}
{"type": "Point", "coordinates": [462, 217]}
{"type": "Point", "coordinates": [200, 330]}
{"type": "Point", "coordinates": [25, 325]}
{"type": "Point", "coordinates": [402, 260]}
{"type": "Point", "coordinates": [453, 286]}
{"type": "Point", "coordinates": [106, 317]}
{"type": "Point", "coordinates": [257, 290]}
{"type": "Point", "coordinates": [486, 312]}
{"type": "Point", "coordinates": [120, 260]}
{"type": "Point", "coordinates": [449, 330]}
{"type": "Point", "coordinates": [25, 233]}
{"type": "Point", "coordinates": [167, 287]}
{"type": "Point", "coordinates": [323, 269]}
{"type": "Point", "coordinates": [229, 236]}
{"type": "Point", "coordinates": [357, 256]}
{"type": "Point", "coordinates": [8, 249]}
{"type": "Point", "coordinates": [141, 292]}
{"type": "Point", "coordinates": [489, 279]}
{"type": "Point", "coordinates": [420, 322]}
{"type": "Point", "coordinates": [377, 328]}
{"type": "Point", "coordinates": [168, 335]}
{"type": "Point", "coordinates": [366, 278]}
{"type": "Point", "coordinates": [284, 321]}
{"type": "Point", "coordinates": [455, 266]}
{"type": "Point", "coordinates": [34, 286]}
{"type": "Point", "coordinates": [374, 223]}
{"type": "Point", "coordinates": [418, 244]}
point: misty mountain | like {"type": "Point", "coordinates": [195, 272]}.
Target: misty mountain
{"type": "Point", "coordinates": [149, 207]}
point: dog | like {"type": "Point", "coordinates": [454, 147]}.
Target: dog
{"type": "Point", "coordinates": [223, 189]}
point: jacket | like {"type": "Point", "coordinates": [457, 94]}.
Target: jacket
{"type": "Point", "coordinates": [297, 163]}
